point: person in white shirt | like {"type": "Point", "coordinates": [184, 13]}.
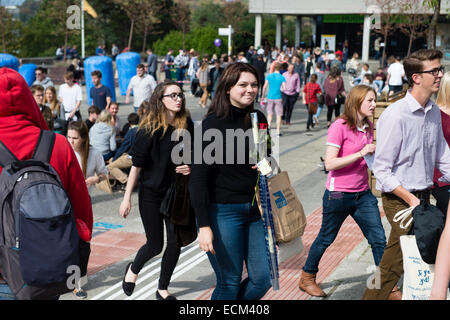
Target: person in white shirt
{"type": "Point", "coordinates": [142, 85]}
{"type": "Point", "coordinates": [395, 74]}
{"type": "Point", "coordinates": [70, 95]}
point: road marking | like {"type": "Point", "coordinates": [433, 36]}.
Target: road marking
{"type": "Point", "coordinates": [179, 270]}
{"type": "Point", "coordinates": [118, 285]}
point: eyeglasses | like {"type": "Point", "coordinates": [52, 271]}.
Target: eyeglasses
{"type": "Point", "coordinates": [435, 71]}
{"type": "Point", "coordinates": [174, 96]}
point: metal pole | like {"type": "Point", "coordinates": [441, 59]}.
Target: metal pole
{"type": "Point", "coordinates": [82, 30]}
{"type": "Point", "coordinates": [229, 39]}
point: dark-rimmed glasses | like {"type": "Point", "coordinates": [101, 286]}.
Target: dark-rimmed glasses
{"type": "Point", "coordinates": [174, 96]}
{"type": "Point", "coordinates": [435, 71]}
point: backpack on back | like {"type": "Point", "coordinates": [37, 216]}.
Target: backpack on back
{"type": "Point", "coordinates": [38, 235]}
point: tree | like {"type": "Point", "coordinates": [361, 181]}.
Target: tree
{"type": "Point", "coordinates": [388, 19]}
{"type": "Point", "coordinates": [435, 5]}
{"type": "Point", "coordinates": [144, 14]}
{"type": "Point", "coordinates": [47, 27]}
{"type": "Point", "coordinates": [414, 20]}
{"type": "Point", "coordinates": [182, 18]}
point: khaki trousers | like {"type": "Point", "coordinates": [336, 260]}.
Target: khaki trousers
{"type": "Point", "coordinates": [391, 265]}
{"type": "Point", "coordinates": [115, 167]}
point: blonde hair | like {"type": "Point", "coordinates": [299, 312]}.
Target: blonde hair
{"type": "Point", "coordinates": [443, 97]}
{"type": "Point", "coordinates": [105, 116]}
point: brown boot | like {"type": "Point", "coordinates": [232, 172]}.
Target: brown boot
{"type": "Point", "coordinates": [395, 294]}
{"type": "Point", "coordinates": [308, 284]}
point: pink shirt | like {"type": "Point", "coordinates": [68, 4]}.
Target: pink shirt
{"type": "Point", "coordinates": [354, 177]}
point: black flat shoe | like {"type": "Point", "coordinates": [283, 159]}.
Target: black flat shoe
{"type": "Point", "coordinates": [169, 297]}
{"type": "Point", "coordinates": [128, 287]}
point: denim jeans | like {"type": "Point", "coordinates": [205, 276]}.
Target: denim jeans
{"type": "Point", "coordinates": [239, 237]}
{"type": "Point", "coordinates": [6, 293]}
{"type": "Point", "coordinates": [319, 109]}
{"type": "Point", "coordinates": [363, 207]}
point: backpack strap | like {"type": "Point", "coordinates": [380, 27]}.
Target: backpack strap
{"type": "Point", "coordinates": [44, 146]}
{"type": "Point", "coordinates": [6, 156]}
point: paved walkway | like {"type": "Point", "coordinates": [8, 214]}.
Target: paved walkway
{"type": "Point", "coordinates": [344, 268]}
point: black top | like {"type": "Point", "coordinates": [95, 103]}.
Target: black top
{"type": "Point", "coordinates": [152, 153]}
{"type": "Point", "coordinates": [222, 183]}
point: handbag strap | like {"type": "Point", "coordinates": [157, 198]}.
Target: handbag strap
{"type": "Point", "coordinates": [402, 216]}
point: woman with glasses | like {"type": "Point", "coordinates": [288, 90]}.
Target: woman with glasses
{"type": "Point", "coordinates": [153, 166]}
{"type": "Point", "coordinates": [231, 231]}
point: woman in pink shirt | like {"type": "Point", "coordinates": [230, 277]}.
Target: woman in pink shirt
{"type": "Point", "coordinates": [350, 141]}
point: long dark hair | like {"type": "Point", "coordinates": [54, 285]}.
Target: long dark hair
{"type": "Point", "coordinates": [221, 104]}
{"type": "Point", "coordinates": [83, 131]}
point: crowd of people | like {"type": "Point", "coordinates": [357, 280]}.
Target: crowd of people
{"type": "Point", "coordinates": [230, 228]}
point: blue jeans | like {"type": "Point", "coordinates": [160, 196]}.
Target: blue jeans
{"type": "Point", "coordinates": [6, 293]}
{"type": "Point", "coordinates": [363, 207]}
{"type": "Point", "coordinates": [239, 237]}
{"type": "Point", "coordinates": [319, 110]}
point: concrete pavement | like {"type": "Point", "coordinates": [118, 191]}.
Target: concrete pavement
{"type": "Point", "coordinates": [116, 240]}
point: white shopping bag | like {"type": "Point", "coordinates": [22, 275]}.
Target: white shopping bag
{"type": "Point", "coordinates": [418, 275]}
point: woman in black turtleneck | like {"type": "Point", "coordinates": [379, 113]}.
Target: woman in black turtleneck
{"type": "Point", "coordinates": [230, 227]}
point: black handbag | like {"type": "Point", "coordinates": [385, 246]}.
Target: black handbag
{"type": "Point", "coordinates": [339, 99]}
{"type": "Point", "coordinates": [428, 225]}
{"type": "Point", "coordinates": [167, 202]}
{"type": "Point", "coordinates": [320, 98]}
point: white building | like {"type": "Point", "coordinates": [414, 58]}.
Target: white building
{"type": "Point", "coordinates": [333, 17]}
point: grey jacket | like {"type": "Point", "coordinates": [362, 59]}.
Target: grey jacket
{"type": "Point", "coordinates": [102, 137]}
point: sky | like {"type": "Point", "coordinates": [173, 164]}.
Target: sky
{"type": "Point", "coordinates": [11, 2]}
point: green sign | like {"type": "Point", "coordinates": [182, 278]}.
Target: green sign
{"type": "Point", "coordinates": [343, 18]}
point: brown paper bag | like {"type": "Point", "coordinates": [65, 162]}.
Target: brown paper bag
{"type": "Point", "coordinates": [104, 185]}
{"type": "Point", "coordinates": [288, 215]}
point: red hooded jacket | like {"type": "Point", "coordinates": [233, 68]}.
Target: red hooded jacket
{"type": "Point", "coordinates": [20, 125]}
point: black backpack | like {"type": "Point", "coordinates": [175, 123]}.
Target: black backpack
{"type": "Point", "coordinates": [38, 236]}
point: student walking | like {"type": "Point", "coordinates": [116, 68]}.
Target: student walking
{"type": "Point", "coordinates": [441, 192]}
{"type": "Point", "coordinates": [291, 92]}
{"type": "Point", "coordinates": [410, 144]}
{"type": "Point", "coordinates": [276, 84]}
{"type": "Point", "coordinates": [21, 123]}
{"type": "Point", "coordinates": [231, 231]}
{"type": "Point", "coordinates": [202, 76]}
{"type": "Point", "coordinates": [350, 140]}
{"type": "Point", "coordinates": [310, 92]}
{"type": "Point", "coordinates": [152, 164]}
{"type": "Point", "coordinates": [93, 168]}
{"type": "Point", "coordinates": [333, 86]}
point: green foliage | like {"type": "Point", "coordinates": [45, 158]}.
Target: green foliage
{"type": "Point", "coordinates": [200, 38]}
